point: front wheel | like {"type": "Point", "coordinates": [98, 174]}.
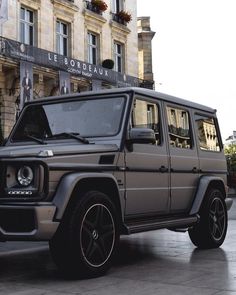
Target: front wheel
{"type": "Point", "coordinates": [90, 238]}
{"type": "Point", "coordinates": [210, 232]}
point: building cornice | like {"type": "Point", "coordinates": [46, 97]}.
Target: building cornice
{"type": "Point", "coordinates": [93, 18]}
{"type": "Point", "coordinates": [146, 34]}
{"type": "Point", "coordinates": [119, 28]}
{"type": "Point", "coordinates": [32, 4]}
{"type": "Point", "coordinates": [69, 6]}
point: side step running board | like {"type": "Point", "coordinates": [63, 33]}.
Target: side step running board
{"type": "Point", "coordinates": [137, 227]}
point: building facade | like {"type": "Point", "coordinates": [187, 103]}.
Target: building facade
{"type": "Point", "coordinates": [145, 36]}
{"type": "Point", "coordinates": [59, 46]}
{"type": "Point", "coordinates": [231, 140]}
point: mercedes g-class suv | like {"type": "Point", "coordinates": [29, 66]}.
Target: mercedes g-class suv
{"type": "Point", "coordinates": [80, 170]}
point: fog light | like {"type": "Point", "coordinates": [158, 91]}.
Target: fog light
{"type": "Point", "coordinates": [25, 176]}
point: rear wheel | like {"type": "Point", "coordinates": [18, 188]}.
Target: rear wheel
{"type": "Point", "coordinates": [210, 232]}
{"type": "Point", "coordinates": [87, 243]}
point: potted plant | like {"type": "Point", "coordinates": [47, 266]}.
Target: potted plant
{"type": "Point", "coordinates": [125, 16]}
{"type": "Point", "coordinates": [100, 5]}
{"type": "Point", "coordinates": [108, 64]}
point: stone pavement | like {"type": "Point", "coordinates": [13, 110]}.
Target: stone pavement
{"type": "Point", "coordinates": [157, 262]}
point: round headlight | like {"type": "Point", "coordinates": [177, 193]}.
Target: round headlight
{"type": "Point", "coordinates": [25, 175]}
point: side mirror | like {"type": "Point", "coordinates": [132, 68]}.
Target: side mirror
{"type": "Point", "coordinates": [141, 135]}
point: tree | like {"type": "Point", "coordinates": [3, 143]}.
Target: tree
{"type": "Point", "coordinates": [230, 153]}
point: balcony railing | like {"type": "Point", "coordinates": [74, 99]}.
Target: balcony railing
{"type": "Point", "coordinates": [92, 7]}
{"type": "Point", "coordinates": [118, 19]}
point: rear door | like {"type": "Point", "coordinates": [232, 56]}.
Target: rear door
{"type": "Point", "coordinates": [147, 165]}
{"type": "Point", "coordinates": [183, 157]}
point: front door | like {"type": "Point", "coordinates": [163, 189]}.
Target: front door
{"type": "Point", "coordinates": [147, 165]}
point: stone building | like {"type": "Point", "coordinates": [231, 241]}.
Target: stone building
{"type": "Point", "coordinates": [66, 45]}
{"type": "Point", "coordinates": [145, 36]}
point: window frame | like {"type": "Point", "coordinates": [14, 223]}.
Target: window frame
{"type": "Point", "coordinates": [26, 25]}
{"type": "Point", "coordinates": [190, 125]}
{"type": "Point", "coordinates": [61, 37]}
{"type": "Point", "coordinates": [160, 140]}
{"type": "Point", "coordinates": [117, 5]}
{"type": "Point", "coordinates": [217, 130]}
{"type": "Point", "coordinates": [91, 47]}
{"type": "Point", "coordinates": [118, 56]}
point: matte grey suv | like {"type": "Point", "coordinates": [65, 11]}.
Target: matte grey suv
{"type": "Point", "coordinates": [80, 170]}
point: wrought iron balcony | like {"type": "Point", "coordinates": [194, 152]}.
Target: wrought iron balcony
{"type": "Point", "coordinates": [92, 7]}
{"type": "Point", "coordinates": [118, 19]}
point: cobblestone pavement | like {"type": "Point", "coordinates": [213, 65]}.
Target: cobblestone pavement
{"type": "Point", "coordinates": [157, 262]}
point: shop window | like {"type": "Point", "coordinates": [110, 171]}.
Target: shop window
{"type": "Point", "coordinates": [62, 37]}
{"type": "Point", "coordinates": [146, 115]}
{"type": "Point", "coordinates": [207, 133]}
{"type": "Point", "coordinates": [118, 57]}
{"type": "Point", "coordinates": [93, 48]}
{"type": "Point", "coordinates": [179, 128]}
{"type": "Point", "coordinates": [27, 26]}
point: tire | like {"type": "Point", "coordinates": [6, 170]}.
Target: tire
{"type": "Point", "coordinates": [210, 232]}
{"type": "Point", "coordinates": [87, 241]}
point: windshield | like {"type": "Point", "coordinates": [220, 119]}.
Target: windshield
{"type": "Point", "coordinates": [87, 118]}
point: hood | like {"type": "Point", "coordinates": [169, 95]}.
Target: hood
{"type": "Point", "coordinates": [50, 150]}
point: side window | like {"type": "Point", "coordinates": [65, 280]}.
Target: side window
{"type": "Point", "coordinates": [179, 128]}
{"type": "Point", "coordinates": [146, 115]}
{"type": "Point", "coordinates": [207, 133]}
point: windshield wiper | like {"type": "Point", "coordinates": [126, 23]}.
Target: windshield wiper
{"type": "Point", "coordinates": [72, 135]}
{"type": "Point", "coordinates": [39, 140]}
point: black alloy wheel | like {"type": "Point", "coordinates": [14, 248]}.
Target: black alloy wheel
{"type": "Point", "coordinates": [97, 235]}
{"type": "Point", "coordinates": [210, 232]}
{"type": "Point", "coordinates": [217, 218]}
{"type": "Point", "coordinates": [88, 237]}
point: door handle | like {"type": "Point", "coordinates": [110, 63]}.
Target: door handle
{"type": "Point", "coordinates": [163, 169]}
{"type": "Point", "coordinates": [195, 170]}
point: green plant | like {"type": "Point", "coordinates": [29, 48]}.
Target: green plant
{"type": "Point", "coordinates": [108, 64]}
{"type": "Point", "coordinates": [101, 5]}
{"type": "Point", "coordinates": [125, 16]}
{"type": "Point", "coordinates": [230, 152]}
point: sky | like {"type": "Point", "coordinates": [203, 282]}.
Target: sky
{"type": "Point", "coordinates": [194, 52]}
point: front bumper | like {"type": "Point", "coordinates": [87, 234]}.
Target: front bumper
{"type": "Point", "coordinates": [27, 222]}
